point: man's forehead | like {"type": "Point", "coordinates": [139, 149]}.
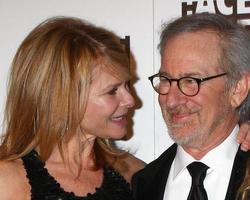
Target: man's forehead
{"type": "Point", "coordinates": [191, 54]}
{"type": "Point", "coordinates": [206, 40]}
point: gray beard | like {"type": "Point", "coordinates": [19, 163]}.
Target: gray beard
{"type": "Point", "coordinates": [194, 139]}
{"type": "Point", "coordinates": [201, 135]}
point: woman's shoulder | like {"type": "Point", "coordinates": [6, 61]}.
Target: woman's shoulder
{"type": "Point", "coordinates": [132, 163]}
{"type": "Point", "coordinates": [13, 181]}
{"type": "Point", "coordinates": [10, 171]}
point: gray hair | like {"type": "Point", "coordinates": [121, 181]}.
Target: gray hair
{"type": "Point", "coordinates": [234, 42]}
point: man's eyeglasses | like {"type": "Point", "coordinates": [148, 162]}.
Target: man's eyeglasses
{"type": "Point", "coordinates": [189, 86]}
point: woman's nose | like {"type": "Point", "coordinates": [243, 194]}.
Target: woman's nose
{"type": "Point", "coordinates": [129, 100]}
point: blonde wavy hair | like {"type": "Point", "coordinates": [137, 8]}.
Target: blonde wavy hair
{"type": "Point", "coordinates": [49, 85]}
{"type": "Point", "coordinates": [244, 190]}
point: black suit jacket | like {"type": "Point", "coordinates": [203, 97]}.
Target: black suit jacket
{"type": "Point", "coordinates": [149, 183]}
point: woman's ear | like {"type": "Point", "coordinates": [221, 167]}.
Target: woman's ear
{"type": "Point", "coordinates": [240, 90]}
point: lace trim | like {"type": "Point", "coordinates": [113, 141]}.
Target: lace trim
{"type": "Point", "coordinates": [45, 187]}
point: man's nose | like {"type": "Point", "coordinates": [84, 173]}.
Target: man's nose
{"type": "Point", "coordinates": [174, 97]}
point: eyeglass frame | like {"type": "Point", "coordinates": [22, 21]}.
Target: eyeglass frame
{"type": "Point", "coordinates": [198, 81]}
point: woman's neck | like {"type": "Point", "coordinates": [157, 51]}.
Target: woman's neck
{"type": "Point", "coordinates": [78, 152]}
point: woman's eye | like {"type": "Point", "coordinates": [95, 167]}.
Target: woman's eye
{"type": "Point", "coordinates": [113, 91]}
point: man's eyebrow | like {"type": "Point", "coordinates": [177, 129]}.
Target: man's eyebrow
{"type": "Point", "coordinates": [163, 73]}
{"type": "Point", "coordinates": [187, 74]}
{"type": "Point", "coordinates": [193, 74]}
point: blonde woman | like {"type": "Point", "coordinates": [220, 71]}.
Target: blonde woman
{"type": "Point", "coordinates": [68, 99]}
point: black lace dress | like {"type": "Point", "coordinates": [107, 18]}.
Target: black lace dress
{"type": "Point", "coordinates": [45, 187]}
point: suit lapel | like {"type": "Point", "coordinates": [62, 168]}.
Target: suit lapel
{"type": "Point", "coordinates": [161, 177]}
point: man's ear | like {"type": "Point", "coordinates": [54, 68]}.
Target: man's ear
{"type": "Point", "coordinates": [240, 90]}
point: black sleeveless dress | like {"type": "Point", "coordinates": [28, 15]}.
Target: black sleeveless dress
{"type": "Point", "coordinates": [45, 187]}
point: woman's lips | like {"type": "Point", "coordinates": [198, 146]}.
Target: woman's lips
{"type": "Point", "coordinates": [120, 120]}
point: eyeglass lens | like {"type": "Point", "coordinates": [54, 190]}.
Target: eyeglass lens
{"type": "Point", "coordinates": [187, 85]}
